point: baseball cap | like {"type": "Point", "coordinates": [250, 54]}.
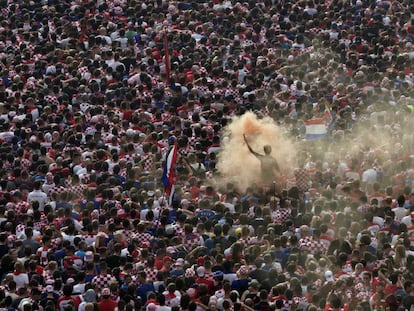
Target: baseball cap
{"type": "Point", "coordinates": [329, 276]}
{"type": "Point", "coordinates": [171, 140]}
{"type": "Point", "coordinates": [170, 250]}
{"type": "Point", "coordinates": [89, 256]}
{"type": "Point", "coordinates": [70, 280]}
{"type": "Point", "coordinates": [217, 274]}
{"type": "Point", "coordinates": [201, 271]}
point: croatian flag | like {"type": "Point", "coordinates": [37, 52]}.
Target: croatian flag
{"type": "Point", "coordinates": [168, 176]}
{"type": "Point", "coordinates": [317, 128]}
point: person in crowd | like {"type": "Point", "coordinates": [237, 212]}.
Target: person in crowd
{"type": "Point", "coordinates": [99, 98]}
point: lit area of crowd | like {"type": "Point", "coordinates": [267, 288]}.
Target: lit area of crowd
{"type": "Point", "coordinates": [116, 141]}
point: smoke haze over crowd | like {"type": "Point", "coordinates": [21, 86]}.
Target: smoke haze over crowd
{"type": "Point", "coordinates": [237, 165]}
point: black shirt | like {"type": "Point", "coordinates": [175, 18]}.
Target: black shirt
{"type": "Point", "coordinates": [113, 261]}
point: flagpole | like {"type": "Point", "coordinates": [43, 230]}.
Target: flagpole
{"type": "Point", "coordinates": [167, 58]}
{"type": "Point", "coordinates": [160, 213]}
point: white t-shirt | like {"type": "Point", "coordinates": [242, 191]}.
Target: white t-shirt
{"type": "Point", "coordinates": [21, 279]}
{"type": "Point", "coordinates": [70, 238]}
{"type": "Point", "coordinates": [407, 221]}
{"type": "Point", "coordinates": [163, 308]}
{"type": "Point", "coordinates": [230, 277]}
{"type": "Point", "coordinates": [369, 176]}
{"type": "Point", "coordinates": [40, 196]}
{"type": "Point", "coordinates": [230, 207]}
{"type": "Point", "coordinates": [399, 212]}
{"type": "Point", "coordinates": [79, 288]}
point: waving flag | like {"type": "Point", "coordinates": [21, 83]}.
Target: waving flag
{"type": "Point", "coordinates": [168, 176]}
{"type": "Point", "coordinates": [317, 128]}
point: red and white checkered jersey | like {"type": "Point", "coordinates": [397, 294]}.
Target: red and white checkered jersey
{"type": "Point", "coordinates": [281, 215]}
{"type": "Point", "coordinates": [143, 236]}
{"type": "Point", "coordinates": [316, 246]}
{"type": "Point", "coordinates": [42, 254]}
{"type": "Point", "coordinates": [151, 274]}
{"type": "Point", "coordinates": [192, 241]}
{"type": "Point", "coordinates": [57, 189]}
{"type": "Point", "coordinates": [78, 190]}
{"type": "Point", "coordinates": [101, 281]}
{"type": "Point", "coordinates": [148, 162]}
{"type": "Point", "coordinates": [22, 207]}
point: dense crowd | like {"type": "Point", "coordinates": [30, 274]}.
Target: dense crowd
{"type": "Point", "coordinates": [93, 94]}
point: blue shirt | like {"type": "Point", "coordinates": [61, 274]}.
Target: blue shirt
{"type": "Point", "coordinates": [143, 290]}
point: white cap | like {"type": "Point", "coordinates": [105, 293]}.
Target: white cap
{"type": "Point", "coordinates": [329, 276]}
{"type": "Point", "coordinates": [201, 271]}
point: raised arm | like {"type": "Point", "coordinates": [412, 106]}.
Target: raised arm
{"type": "Point", "coordinates": [250, 148]}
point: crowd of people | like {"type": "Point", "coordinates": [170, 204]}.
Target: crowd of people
{"type": "Point", "coordinates": [93, 94]}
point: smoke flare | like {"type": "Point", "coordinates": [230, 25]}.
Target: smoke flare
{"type": "Point", "coordinates": [237, 165]}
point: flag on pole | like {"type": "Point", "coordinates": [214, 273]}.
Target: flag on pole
{"type": "Point", "coordinates": [317, 128]}
{"type": "Point", "coordinates": [166, 58]}
{"type": "Point", "coordinates": [169, 176]}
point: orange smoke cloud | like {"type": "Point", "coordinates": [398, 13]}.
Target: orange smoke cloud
{"type": "Point", "coordinates": [237, 165]}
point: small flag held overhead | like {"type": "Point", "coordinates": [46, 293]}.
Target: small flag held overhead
{"type": "Point", "coordinates": [317, 128]}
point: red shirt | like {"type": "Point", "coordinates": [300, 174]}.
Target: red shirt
{"type": "Point", "coordinates": [390, 289]}
{"type": "Point", "coordinates": [209, 283]}
{"type": "Point", "coordinates": [107, 305]}
{"type": "Point", "coordinates": [158, 263]}
{"type": "Point", "coordinates": [195, 192]}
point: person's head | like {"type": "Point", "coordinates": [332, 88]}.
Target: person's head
{"type": "Point", "coordinates": [67, 289]}
{"type": "Point", "coordinates": [29, 232]}
{"type": "Point", "coordinates": [18, 266]}
{"type": "Point", "coordinates": [380, 287]}
{"type": "Point", "coordinates": [409, 286]}
{"type": "Point", "coordinates": [335, 302]}
{"type": "Point", "coordinates": [267, 149]}
{"type": "Point", "coordinates": [400, 252]}
{"type": "Point", "coordinates": [106, 293]}
{"type": "Point", "coordinates": [359, 268]}
{"type": "Point", "coordinates": [103, 267]}
{"type": "Point", "coordinates": [35, 293]}
{"type": "Point", "coordinates": [89, 306]}
{"type": "Point", "coordinates": [263, 295]}
{"type": "Point", "coordinates": [12, 285]}
{"type": "Point", "coordinates": [90, 296]}
{"type": "Point", "coordinates": [366, 277]}
{"type": "Point", "coordinates": [161, 299]}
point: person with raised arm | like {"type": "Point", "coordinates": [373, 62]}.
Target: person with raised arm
{"type": "Point", "coordinates": [270, 169]}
